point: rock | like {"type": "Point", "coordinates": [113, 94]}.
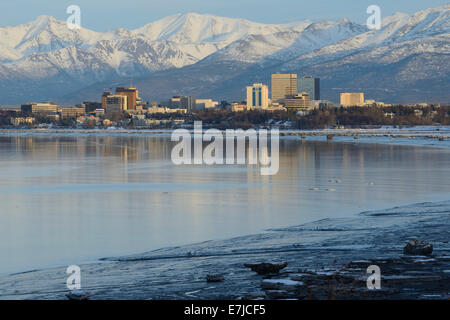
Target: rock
{"type": "Point", "coordinates": [278, 284]}
{"type": "Point", "coordinates": [266, 268]}
{"type": "Point", "coordinates": [418, 247]}
{"type": "Point", "coordinates": [78, 295]}
{"type": "Point", "coordinates": [253, 296]}
{"type": "Point", "coordinates": [214, 278]}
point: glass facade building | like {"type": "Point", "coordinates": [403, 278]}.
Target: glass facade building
{"type": "Point", "coordinates": [311, 86]}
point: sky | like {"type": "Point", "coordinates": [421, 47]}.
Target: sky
{"type": "Point", "coordinates": [104, 15]}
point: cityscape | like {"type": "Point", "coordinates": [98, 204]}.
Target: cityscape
{"type": "Point", "coordinates": [289, 95]}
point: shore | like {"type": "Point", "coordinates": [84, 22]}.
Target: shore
{"type": "Point", "coordinates": [432, 136]}
{"type": "Point", "coordinates": [327, 259]}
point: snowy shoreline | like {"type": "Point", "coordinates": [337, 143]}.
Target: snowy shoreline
{"type": "Point", "coordinates": [429, 136]}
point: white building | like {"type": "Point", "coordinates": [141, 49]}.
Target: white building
{"type": "Point", "coordinates": [202, 104]}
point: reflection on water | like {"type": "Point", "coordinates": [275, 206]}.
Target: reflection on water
{"type": "Point", "coordinates": [73, 199]}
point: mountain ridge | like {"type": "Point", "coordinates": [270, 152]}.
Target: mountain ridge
{"type": "Point", "coordinates": [43, 60]}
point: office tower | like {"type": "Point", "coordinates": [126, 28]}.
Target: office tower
{"type": "Point", "coordinates": [187, 102]}
{"type": "Point", "coordinates": [116, 103]}
{"type": "Point", "coordinates": [104, 96]}
{"type": "Point", "coordinates": [350, 99]}
{"type": "Point", "coordinates": [258, 96]}
{"type": "Point", "coordinates": [132, 95]}
{"type": "Point", "coordinates": [283, 85]}
{"type": "Point", "coordinates": [310, 85]}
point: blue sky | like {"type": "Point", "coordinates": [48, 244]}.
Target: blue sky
{"type": "Point", "coordinates": [103, 15]}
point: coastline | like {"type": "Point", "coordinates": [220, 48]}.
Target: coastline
{"type": "Point", "coordinates": [431, 136]}
{"type": "Point", "coordinates": [310, 238]}
{"type": "Point", "coordinates": [318, 250]}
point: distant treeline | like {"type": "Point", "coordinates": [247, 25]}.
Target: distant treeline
{"type": "Point", "coordinates": [373, 116]}
{"type": "Point", "coordinates": [316, 119]}
{"type": "Point", "coordinates": [328, 117]}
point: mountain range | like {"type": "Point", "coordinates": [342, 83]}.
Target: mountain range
{"type": "Point", "coordinates": [407, 60]}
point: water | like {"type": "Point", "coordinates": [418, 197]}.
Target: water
{"type": "Point", "coordinates": [74, 199]}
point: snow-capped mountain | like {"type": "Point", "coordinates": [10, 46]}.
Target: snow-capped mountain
{"type": "Point", "coordinates": [196, 28]}
{"type": "Point", "coordinates": [45, 34]}
{"type": "Point", "coordinates": [216, 56]}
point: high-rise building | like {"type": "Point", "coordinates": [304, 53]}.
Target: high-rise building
{"type": "Point", "coordinates": [351, 99]}
{"type": "Point", "coordinates": [132, 95]}
{"type": "Point", "coordinates": [116, 103]}
{"type": "Point", "coordinates": [104, 96]}
{"type": "Point", "coordinates": [310, 85]}
{"type": "Point", "coordinates": [258, 96]}
{"type": "Point", "coordinates": [187, 102]}
{"type": "Point", "coordinates": [283, 85]}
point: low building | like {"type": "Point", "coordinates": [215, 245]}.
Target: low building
{"type": "Point", "coordinates": [322, 104]}
{"type": "Point", "coordinates": [72, 112]}
{"type": "Point", "coordinates": [150, 104]}
{"type": "Point", "coordinates": [276, 107]}
{"type": "Point", "coordinates": [202, 104]}
{"type": "Point", "coordinates": [238, 107]}
{"type": "Point", "coordinates": [373, 103]}
{"type": "Point", "coordinates": [41, 108]}
{"type": "Point", "coordinates": [22, 121]}
{"type": "Point", "coordinates": [99, 112]}
{"type": "Point", "coordinates": [155, 109]}
{"type": "Point", "coordinates": [352, 99]}
{"type": "Point", "coordinates": [299, 102]}
{"type": "Point", "coordinates": [176, 110]}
